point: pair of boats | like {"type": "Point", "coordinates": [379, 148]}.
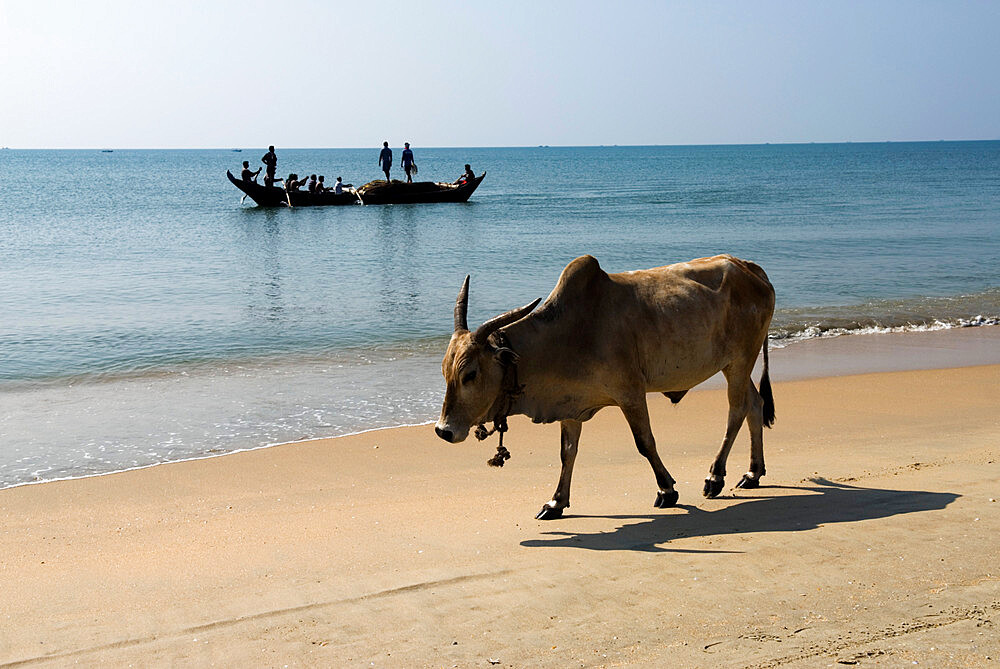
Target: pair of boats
{"type": "Point", "coordinates": [374, 192]}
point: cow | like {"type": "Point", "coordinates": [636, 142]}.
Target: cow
{"type": "Point", "coordinates": [603, 340]}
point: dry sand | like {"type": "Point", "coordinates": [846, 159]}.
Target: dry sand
{"type": "Point", "coordinates": [874, 544]}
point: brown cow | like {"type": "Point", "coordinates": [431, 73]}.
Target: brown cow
{"type": "Point", "coordinates": [608, 339]}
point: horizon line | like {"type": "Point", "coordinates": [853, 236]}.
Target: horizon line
{"type": "Point", "coordinates": [503, 146]}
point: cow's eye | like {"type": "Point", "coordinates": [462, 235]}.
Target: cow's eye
{"type": "Point", "coordinates": [469, 378]}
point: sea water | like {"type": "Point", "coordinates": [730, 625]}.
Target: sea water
{"type": "Point", "coordinates": [147, 315]}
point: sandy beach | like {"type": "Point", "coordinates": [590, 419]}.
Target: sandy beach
{"type": "Point", "coordinates": [873, 542]}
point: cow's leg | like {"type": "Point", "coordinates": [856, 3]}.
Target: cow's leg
{"type": "Point", "coordinates": [755, 421]}
{"type": "Point", "coordinates": [739, 381]}
{"type": "Point", "coordinates": [570, 435]}
{"type": "Point", "coordinates": [637, 415]}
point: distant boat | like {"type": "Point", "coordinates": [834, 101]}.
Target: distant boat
{"type": "Point", "coordinates": [107, 150]}
{"type": "Point", "coordinates": [237, 150]}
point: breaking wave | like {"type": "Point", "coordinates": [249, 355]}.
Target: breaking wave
{"type": "Point", "coordinates": [883, 316]}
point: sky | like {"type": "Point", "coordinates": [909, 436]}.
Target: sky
{"type": "Point", "coordinates": [306, 73]}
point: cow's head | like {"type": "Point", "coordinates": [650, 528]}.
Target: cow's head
{"type": "Point", "coordinates": [473, 370]}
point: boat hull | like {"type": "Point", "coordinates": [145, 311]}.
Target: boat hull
{"type": "Point", "coordinates": [399, 192]}
{"type": "Point", "coordinates": [272, 196]}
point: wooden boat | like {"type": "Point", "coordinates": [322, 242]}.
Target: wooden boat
{"type": "Point", "coordinates": [272, 196]}
{"type": "Point", "coordinates": [400, 192]}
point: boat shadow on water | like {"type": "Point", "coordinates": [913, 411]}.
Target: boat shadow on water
{"type": "Point", "coordinates": [821, 504]}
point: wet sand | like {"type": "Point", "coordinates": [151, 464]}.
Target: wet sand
{"type": "Point", "coordinates": [874, 542]}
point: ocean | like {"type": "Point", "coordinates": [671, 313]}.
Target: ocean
{"type": "Point", "coordinates": [146, 315]}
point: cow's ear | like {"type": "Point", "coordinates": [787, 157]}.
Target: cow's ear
{"type": "Point", "coordinates": [505, 356]}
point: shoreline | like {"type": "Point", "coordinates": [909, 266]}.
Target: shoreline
{"type": "Point", "coordinates": [211, 456]}
{"type": "Point", "coordinates": [391, 548]}
{"type": "Point", "coordinates": [818, 357]}
{"type": "Point", "coordinates": [895, 351]}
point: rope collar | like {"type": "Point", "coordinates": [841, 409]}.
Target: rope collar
{"type": "Point", "coordinates": [510, 390]}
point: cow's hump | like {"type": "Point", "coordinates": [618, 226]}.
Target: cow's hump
{"type": "Point", "coordinates": [581, 280]}
{"type": "Point", "coordinates": [582, 268]}
{"type": "Point", "coordinates": [579, 274]}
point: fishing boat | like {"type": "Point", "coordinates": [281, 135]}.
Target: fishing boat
{"type": "Point", "coordinates": [400, 192]}
{"type": "Point", "coordinates": [272, 196]}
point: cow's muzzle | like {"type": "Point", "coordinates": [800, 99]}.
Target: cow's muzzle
{"type": "Point", "coordinates": [451, 433]}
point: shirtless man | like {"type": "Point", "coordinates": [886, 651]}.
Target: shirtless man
{"type": "Point", "coordinates": [468, 176]}
{"type": "Point", "coordinates": [270, 160]}
{"type": "Point", "coordinates": [247, 174]}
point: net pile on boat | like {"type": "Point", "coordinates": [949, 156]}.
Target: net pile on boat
{"type": "Point", "coordinates": [401, 187]}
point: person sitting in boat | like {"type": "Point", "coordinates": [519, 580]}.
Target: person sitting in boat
{"type": "Point", "coordinates": [247, 174]}
{"type": "Point", "coordinates": [311, 187]}
{"type": "Point", "coordinates": [320, 186]}
{"type": "Point", "coordinates": [339, 187]}
{"type": "Point", "coordinates": [292, 183]}
{"type": "Point", "coordinates": [467, 177]}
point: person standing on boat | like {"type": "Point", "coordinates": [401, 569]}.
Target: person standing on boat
{"type": "Point", "coordinates": [407, 162]}
{"type": "Point", "coordinates": [385, 160]}
{"type": "Point", "coordinates": [270, 160]}
{"type": "Point", "coordinates": [247, 175]}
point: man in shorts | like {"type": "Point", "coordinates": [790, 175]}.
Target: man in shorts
{"type": "Point", "coordinates": [385, 159]}
{"type": "Point", "coordinates": [407, 163]}
{"type": "Point", "coordinates": [270, 160]}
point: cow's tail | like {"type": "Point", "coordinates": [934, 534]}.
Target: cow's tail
{"type": "Point", "coordinates": [765, 392]}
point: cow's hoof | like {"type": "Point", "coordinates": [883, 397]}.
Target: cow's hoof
{"type": "Point", "coordinates": [713, 488]}
{"type": "Point", "coordinates": [748, 482]}
{"type": "Point", "coordinates": [549, 513]}
{"type": "Point", "coordinates": [665, 500]}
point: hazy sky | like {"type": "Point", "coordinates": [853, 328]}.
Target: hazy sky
{"type": "Point", "coordinates": [306, 73]}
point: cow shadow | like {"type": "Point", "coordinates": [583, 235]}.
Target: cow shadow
{"type": "Point", "coordinates": [820, 504]}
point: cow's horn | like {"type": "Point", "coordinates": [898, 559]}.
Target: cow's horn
{"type": "Point", "coordinates": [497, 322]}
{"type": "Point", "coordinates": [462, 307]}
